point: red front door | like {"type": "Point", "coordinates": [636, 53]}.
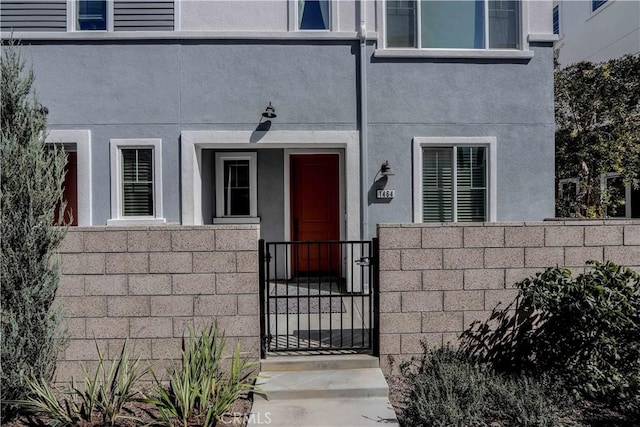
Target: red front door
{"type": "Point", "coordinates": [70, 191]}
{"type": "Point", "coordinates": [315, 212]}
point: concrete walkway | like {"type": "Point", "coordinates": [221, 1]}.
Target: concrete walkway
{"type": "Point", "coordinates": [340, 390]}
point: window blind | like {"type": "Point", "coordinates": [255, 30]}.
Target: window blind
{"type": "Point", "coordinates": [438, 201]}
{"type": "Point", "coordinates": [471, 182]}
{"type": "Point", "coordinates": [437, 185]}
{"type": "Point", "coordinates": [137, 182]}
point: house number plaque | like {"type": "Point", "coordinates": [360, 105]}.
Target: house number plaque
{"type": "Point", "coordinates": [386, 194]}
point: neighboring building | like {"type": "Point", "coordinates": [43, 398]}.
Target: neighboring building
{"type": "Point", "coordinates": [283, 112]}
{"type": "Point", "coordinates": [596, 30]}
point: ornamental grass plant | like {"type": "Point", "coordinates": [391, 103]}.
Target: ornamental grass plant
{"type": "Point", "coordinates": [203, 387]}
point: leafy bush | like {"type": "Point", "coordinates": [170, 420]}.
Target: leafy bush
{"type": "Point", "coordinates": [30, 187]}
{"type": "Point", "coordinates": [585, 330]}
{"type": "Point", "coordinates": [448, 388]}
{"type": "Point", "coordinates": [105, 393]}
{"type": "Point", "coordinates": [199, 390]}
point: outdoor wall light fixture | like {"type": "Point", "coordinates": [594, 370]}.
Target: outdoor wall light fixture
{"type": "Point", "coordinates": [42, 109]}
{"type": "Point", "coordinates": [269, 112]}
{"type": "Point", "coordinates": [385, 169]}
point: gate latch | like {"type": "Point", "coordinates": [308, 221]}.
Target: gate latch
{"type": "Point", "coordinates": [364, 261]}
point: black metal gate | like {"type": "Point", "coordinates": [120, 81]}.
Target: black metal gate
{"type": "Point", "coordinates": [319, 296]}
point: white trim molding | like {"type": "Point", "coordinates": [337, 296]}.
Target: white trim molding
{"type": "Point", "coordinates": [193, 142]}
{"type": "Point", "coordinates": [421, 142]}
{"type": "Point", "coordinates": [81, 139]}
{"type": "Point", "coordinates": [453, 53]}
{"type": "Point", "coordinates": [115, 149]}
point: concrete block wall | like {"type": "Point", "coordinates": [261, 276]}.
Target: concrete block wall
{"type": "Point", "coordinates": [150, 284]}
{"type": "Point", "coordinates": [436, 279]}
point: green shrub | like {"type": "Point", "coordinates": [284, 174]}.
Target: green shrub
{"type": "Point", "coordinates": [585, 330]}
{"type": "Point", "coordinates": [448, 388]}
{"type": "Point", "coordinates": [200, 390]}
{"type": "Point", "coordinates": [30, 187]}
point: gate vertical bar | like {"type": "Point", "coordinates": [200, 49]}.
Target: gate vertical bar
{"type": "Point", "coordinates": [264, 310]}
{"type": "Point", "coordinates": [375, 294]}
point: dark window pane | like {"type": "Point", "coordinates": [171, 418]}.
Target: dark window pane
{"type": "Point", "coordinates": [635, 203]}
{"type": "Point", "coordinates": [616, 196]}
{"type": "Point", "coordinates": [401, 23]}
{"type": "Point", "coordinates": [596, 4]}
{"type": "Point", "coordinates": [556, 20]}
{"type": "Point", "coordinates": [313, 14]}
{"type": "Point", "coordinates": [240, 201]}
{"type": "Point", "coordinates": [92, 15]}
{"type": "Point", "coordinates": [237, 194]}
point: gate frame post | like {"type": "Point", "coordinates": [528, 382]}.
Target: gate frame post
{"type": "Point", "coordinates": [262, 289]}
{"type": "Point", "coordinates": [375, 294]}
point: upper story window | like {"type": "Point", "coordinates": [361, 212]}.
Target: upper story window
{"type": "Point", "coordinates": [461, 24]}
{"type": "Point", "coordinates": [597, 4]}
{"type": "Point", "coordinates": [314, 15]}
{"type": "Point", "coordinates": [91, 15]}
{"type": "Point", "coordinates": [556, 19]}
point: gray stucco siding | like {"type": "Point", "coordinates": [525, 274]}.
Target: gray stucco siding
{"type": "Point", "coordinates": [156, 90]}
{"type": "Point", "coordinates": [144, 89]}
{"type": "Point", "coordinates": [509, 100]}
{"type": "Point", "coordinates": [232, 82]}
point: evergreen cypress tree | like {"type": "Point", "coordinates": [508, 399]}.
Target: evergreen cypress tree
{"type": "Point", "coordinates": [31, 190]}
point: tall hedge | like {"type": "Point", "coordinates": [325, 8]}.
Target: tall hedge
{"type": "Point", "coordinates": [31, 183]}
{"type": "Point", "coordinates": [597, 132]}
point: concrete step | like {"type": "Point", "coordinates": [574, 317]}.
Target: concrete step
{"type": "Point", "coordinates": [320, 362]}
{"type": "Point", "coordinates": [355, 412]}
{"type": "Point", "coordinates": [320, 384]}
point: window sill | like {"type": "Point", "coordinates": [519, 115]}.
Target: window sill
{"type": "Point", "coordinates": [237, 220]}
{"type": "Point", "coordinates": [543, 38]}
{"type": "Point", "coordinates": [184, 35]}
{"type": "Point", "coordinates": [136, 221]}
{"type": "Point", "coordinates": [453, 53]}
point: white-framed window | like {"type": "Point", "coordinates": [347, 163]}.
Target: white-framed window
{"type": "Point", "coordinates": [612, 185]}
{"type": "Point", "coordinates": [236, 186]}
{"type": "Point", "coordinates": [454, 179]}
{"type": "Point", "coordinates": [460, 24]}
{"type": "Point", "coordinates": [90, 15]}
{"type": "Point", "coordinates": [569, 187]}
{"type": "Point", "coordinates": [136, 181]}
